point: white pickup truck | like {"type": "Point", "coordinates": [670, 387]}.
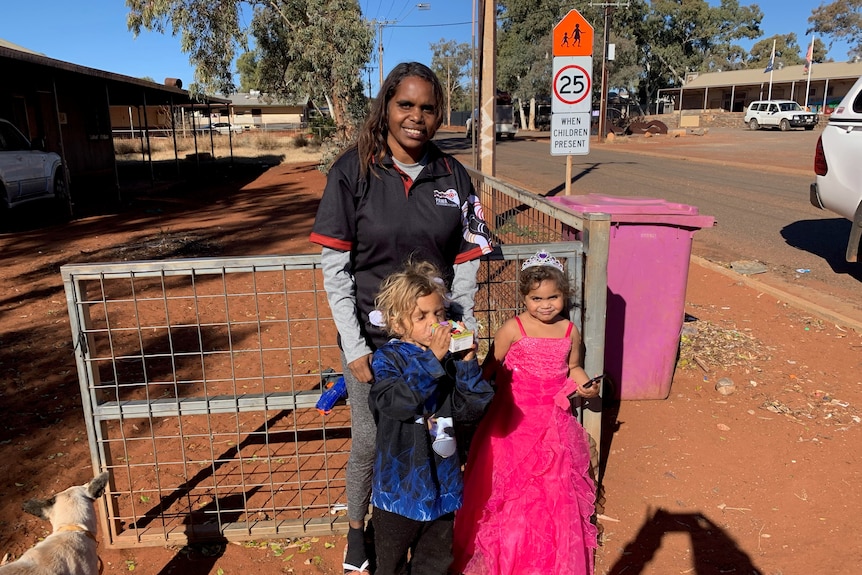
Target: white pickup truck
{"type": "Point", "coordinates": [838, 166]}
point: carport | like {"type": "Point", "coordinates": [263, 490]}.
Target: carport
{"type": "Point", "coordinates": [70, 107]}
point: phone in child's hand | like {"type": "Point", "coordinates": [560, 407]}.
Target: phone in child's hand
{"type": "Point", "coordinates": [593, 381]}
{"type": "Point", "coordinates": [574, 399]}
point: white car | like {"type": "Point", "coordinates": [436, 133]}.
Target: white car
{"type": "Point", "coordinates": [224, 128]}
{"type": "Point", "coordinates": [838, 166]}
{"type": "Point", "coordinates": [781, 114]}
{"type": "Point", "coordinates": [28, 173]}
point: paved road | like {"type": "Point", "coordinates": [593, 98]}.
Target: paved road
{"type": "Point", "coordinates": [754, 183]}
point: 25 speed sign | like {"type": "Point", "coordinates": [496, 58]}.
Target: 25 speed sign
{"type": "Point", "coordinates": [573, 85]}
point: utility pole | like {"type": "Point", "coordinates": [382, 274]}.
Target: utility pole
{"type": "Point", "coordinates": [488, 88]}
{"type": "Point", "coordinates": [603, 103]}
{"type": "Point", "coordinates": [474, 77]}
{"type": "Point", "coordinates": [380, 24]}
{"type": "Point", "coordinates": [368, 71]}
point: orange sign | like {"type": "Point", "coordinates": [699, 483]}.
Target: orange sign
{"type": "Point", "coordinates": [573, 36]}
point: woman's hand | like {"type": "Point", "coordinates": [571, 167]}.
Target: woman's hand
{"type": "Point", "coordinates": [361, 369]}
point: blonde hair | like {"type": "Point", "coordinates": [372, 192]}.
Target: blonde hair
{"type": "Point", "coordinates": [400, 291]}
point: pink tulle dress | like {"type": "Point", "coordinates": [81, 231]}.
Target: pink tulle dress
{"type": "Point", "coordinates": [528, 495]}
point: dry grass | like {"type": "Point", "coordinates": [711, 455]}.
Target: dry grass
{"type": "Point", "coordinates": [248, 145]}
{"type": "Point", "coordinates": [706, 345]}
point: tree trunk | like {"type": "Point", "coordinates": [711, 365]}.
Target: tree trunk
{"type": "Point", "coordinates": [533, 113]}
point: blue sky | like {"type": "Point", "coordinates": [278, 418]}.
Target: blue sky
{"type": "Point", "coordinates": [94, 33]}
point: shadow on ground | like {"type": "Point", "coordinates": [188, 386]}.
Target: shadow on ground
{"type": "Point", "coordinates": [826, 239]}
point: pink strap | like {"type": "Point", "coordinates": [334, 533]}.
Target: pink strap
{"type": "Point", "coordinates": [569, 331]}
{"type": "Point", "coordinates": [520, 326]}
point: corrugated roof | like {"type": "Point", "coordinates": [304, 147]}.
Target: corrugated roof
{"type": "Point", "coordinates": [13, 46]}
{"type": "Point", "coordinates": [17, 54]}
{"type": "Point", "coordinates": [819, 72]}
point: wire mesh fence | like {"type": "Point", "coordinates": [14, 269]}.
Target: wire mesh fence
{"type": "Point", "coordinates": [199, 380]}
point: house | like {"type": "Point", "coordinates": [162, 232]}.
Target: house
{"type": "Point", "coordinates": [733, 90]}
{"type": "Point", "coordinates": [259, 110]}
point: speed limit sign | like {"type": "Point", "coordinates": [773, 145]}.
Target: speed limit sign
{"type": "Point", "coordinates": [573, 84]}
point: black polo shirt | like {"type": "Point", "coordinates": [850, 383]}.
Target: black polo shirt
{"type": "Point", "coordinates": [386, 218]}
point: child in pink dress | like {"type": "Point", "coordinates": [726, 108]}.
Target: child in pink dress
{"type": "Point", "coordinates": [528, 495]}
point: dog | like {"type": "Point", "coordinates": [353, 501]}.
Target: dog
{"type": "Point", "coordinates": [71, 549]}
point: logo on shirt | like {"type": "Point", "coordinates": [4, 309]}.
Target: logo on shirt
{"type": "Point", "coordinates": [447, 198]}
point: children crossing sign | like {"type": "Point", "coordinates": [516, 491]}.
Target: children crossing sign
{"type": "Point", "coordinates": [572, 86]}
{"type": "Point", "coordinates": [573, 36]}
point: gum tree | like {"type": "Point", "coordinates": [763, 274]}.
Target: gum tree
{"type": "Point", "coordinates": [451, 60]}
{"type": "Point", "coordinates": [839, 20]}
{"type": "Point", "coordinates": [313, 48]}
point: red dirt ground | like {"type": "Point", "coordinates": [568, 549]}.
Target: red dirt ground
{"type": "Point", "coordinates": [764, 480]}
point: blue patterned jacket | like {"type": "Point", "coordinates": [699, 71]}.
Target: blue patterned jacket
{"type": "Point", "coordinates": [410, 479]}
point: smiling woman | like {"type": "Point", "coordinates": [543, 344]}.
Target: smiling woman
{"type": "Point", "coordinates": [392, 197]}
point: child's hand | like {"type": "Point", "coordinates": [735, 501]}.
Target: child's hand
{"type": "Point", "coordinates": [591, 388]}
{"type": "Point", "coordinates": [467, 354]}
{"type": "Point", "coordinates": [440, 338]}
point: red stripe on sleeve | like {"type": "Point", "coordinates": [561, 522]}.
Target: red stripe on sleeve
{"type": "Point", "coordinates": [328, 242]}
{"type": "Point", "coordinates": [470, 255]}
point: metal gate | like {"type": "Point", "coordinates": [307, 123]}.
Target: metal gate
{"type": "Point", "coordinates": [199, 380]}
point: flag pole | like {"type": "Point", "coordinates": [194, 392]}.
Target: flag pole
{"type": "Point", "coordinates": [809, 60]}
{"type": "Point", "coordinates": [771, 69]}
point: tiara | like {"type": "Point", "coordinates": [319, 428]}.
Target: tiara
{"type": "Point", "coordinates": [542, 258]}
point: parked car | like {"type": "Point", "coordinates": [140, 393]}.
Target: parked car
{"type": "Point", "coordinates": [224, 128]}
{"type": "Point", "coordinates": [27, 172]}
{"type": "Point", "coordinates": [505, 122]}
{"type": "Point", "coordinates": [543, 117]}
{"type": "Point", "coordinates": [504, 110]}
{"type": "Point", "coordinates": [837, 167]}
{"type": "Point", "coordinates": [781, 114]}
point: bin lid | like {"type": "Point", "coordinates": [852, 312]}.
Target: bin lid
{"type": "Point", "coordinates": [636, 209]}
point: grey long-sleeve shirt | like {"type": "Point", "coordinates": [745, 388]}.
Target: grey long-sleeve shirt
{"type": "Point", "coordinates": [341, 294]}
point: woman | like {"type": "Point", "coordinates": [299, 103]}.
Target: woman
{"type": "Point", "coordinates": [391, 197]}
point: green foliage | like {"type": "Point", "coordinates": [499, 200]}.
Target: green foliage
{"type": "Point", "coordinates": [451, 62]}
{"type": "Point", "coordinates": [656, 42]}
{"type": "Point", "coordinates": [786, 52]}
{"type": "Point", "coordinates": [839, 20]}
{"type": "Point", "coordinates": [820, 50]}
{"type": "Point", "coordinates": [249, 71]}
{"type": "Point", "coordinates": [209, 32]}
{"type": "Point", "coordinates": [319, 120]}
{"type": "Point", "coordinates": [304, 48]}
{"type": "Point", "coordinates": [316, 48]}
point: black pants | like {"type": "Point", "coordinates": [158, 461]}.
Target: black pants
{"type": "Point", "coordinates": [429, 544]}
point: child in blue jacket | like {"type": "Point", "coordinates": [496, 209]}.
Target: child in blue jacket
{"type": "Point", "coordinates": [420, 391]}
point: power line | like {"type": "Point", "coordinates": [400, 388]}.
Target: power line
{"type": "Point", "coordinates": [427, 25]}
